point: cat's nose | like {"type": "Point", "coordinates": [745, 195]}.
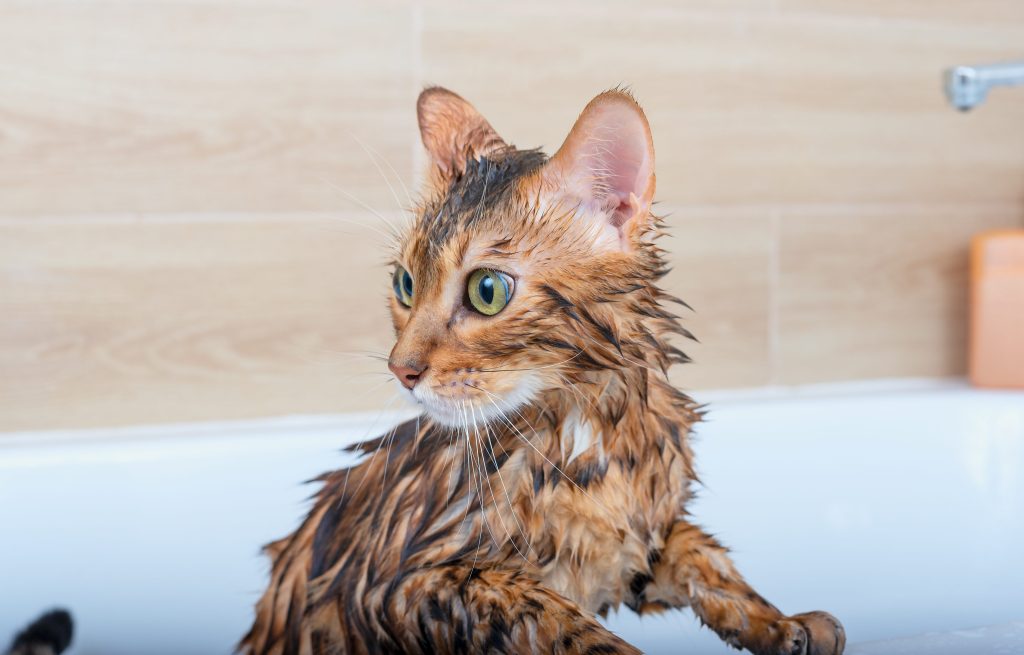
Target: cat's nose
{"type": "Point", "coordinates": [407, 373]}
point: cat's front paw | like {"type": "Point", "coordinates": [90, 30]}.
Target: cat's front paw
{"type": "Point", "coordinates": [813, 633]}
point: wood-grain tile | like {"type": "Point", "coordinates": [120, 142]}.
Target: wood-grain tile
{"type": "Point", "coordinates": [750, 108]}
{"type": "Point", "coordinates": [877, 292]}
{"type": "Point", "coordinates": [976, 12]}
{"type": "Point", "coordinates": [177, 318]}
{"type": "Point", "coordinates": [202, 106]}
{"type": "Point", "coordinates": [722, 262]}
{"type": "Point", "coordinates": [173, 319]}
{"type": "Point", "coordinates": [823, 192]}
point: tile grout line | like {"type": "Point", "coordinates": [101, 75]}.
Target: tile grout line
{"type": "Point", "coordinates": [185, 218]}
{"type": "Point", "coordinates": [680, 210]}
{"type": "Point", "coordinates": [774, 275]}
{"type": "Point", "coordinates": [417, 161]}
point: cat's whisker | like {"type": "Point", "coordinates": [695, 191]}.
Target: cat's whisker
{"type": "Point", "coordinates": [391, 400]}
{"type": "Point", "coordinates": [519, 525]}
{"type": "Point", "coordinates": [390, 238]}
{"type": "Point", "coordinates": [330, 354]}
{"type": "Point", "coordinates": [348, 471]}
{"type": "Point", "coordinates": [487, 477]}
{"type": "Point", "coordinates": [419, 437]}
{"type": "Point", "coordinates": [483, 515]}
{"type": "Point", "coordinates": [373, 388]}
{"type": "Point", "coordinates": [374, 155]}
{"type": "Point", "coordinates": [387, 460]}
{"type": "Point", "coordinates": [341, 368]}
{"type": "Point", "coordinates": [532, 368]}
{"type": "Point", "coordinates": [393, 229]}
{"type": "Point", "coordinates": [467, 471]}
{"type": "Point", "coordinates": [572, 388]}
{"type": "Point", "coordinates": [451, 467]}
{"type": "Point", "coordinates": [545, 457]}
{"type": "Point", "coordinates": [508, 497]}
{"type": "Point", "coordinates": [374, 456]}
{"type": "Point", "coordinates": [476, 481]}
{"type": "Point", "coordinates": [373, 354]}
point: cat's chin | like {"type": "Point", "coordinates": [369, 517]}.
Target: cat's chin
{"type": "Point", "coordinates": [462, 414]}
{"type": "Point", "coordinates": [475, 411]}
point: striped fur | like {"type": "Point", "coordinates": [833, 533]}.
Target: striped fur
{"type": "Point", "coordinates": [547, 480]}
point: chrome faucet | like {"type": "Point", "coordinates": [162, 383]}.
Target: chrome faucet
{"type": "Point", "coordinates": [967, 86]}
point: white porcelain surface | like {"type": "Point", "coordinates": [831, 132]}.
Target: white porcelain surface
{"type": "Point", "coordinates": [901, 513]}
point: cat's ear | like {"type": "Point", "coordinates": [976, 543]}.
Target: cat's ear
{"type": "Point", "coordinates": [453, 130]}
{"type": "Point", "coordinates": [605, 168]}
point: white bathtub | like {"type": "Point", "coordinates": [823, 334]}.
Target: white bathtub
{"type": "Point", "coordinates": [900, 511]}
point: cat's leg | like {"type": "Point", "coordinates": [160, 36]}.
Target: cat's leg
{"type": "Point", "coordinates": [695, 570]}
{"type": "Point", "coordinates": [458, 609]}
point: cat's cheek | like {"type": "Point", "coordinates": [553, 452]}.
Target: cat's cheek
{"type": "Point", "coordinates": [399, 317]}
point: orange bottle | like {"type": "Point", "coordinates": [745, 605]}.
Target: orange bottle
{"type": "Point", "coordinates": [996, 352]}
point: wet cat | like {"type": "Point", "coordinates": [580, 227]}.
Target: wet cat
{"type": "Point", "coordinates": [547, 479]}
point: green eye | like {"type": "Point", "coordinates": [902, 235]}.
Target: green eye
{"type": "Point", "coordinates": [401, 281]}
{"type": "Point", "coordinates": [489, 291]}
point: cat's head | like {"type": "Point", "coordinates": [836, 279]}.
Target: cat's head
{"type": "Point", "coordinates": [523, 274]}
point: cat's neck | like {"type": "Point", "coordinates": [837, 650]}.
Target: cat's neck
{"type": "Point", "coordinates": [629, 408]}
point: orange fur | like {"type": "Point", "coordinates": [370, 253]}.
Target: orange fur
{"type": "Point", "coordinates": [548, 478]}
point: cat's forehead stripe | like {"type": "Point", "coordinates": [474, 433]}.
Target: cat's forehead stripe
{"type": "Point", "coordinates": [485, 186]}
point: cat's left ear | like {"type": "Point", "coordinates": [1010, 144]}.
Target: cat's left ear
{"type": "Point", "coordinates": [605, 169]}
{"type": "Point", "coordinates": [453, 131]}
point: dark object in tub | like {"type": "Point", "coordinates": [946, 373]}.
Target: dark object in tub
{"type": "Point", "coordinates": [50, 634]}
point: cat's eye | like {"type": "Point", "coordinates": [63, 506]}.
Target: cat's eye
{"type": "Point", "coordinates": [489, 290]}
{"type": "Point", "coordinates": [401, 281]}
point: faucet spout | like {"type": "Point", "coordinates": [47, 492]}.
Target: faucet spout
{"type": "Point", "coordinates": [967, 86]}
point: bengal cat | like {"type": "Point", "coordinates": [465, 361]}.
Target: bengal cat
{"type": "Point", "coordinates": [546, 480]}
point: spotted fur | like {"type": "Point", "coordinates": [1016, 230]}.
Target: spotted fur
{"type": "Point", "coordinates": [547, 480]}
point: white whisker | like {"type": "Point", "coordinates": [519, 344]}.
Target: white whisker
{"type": "Point", "coordinates": [553, 465]}
{"type": "Point", "coordinates": [508, 497]}
{"type": "Point", "coordinates": [534, 368]}
{"type": "Point", "coordinates": [377, 450]}
{"type": "Point", "coordinates": [479, 541]}
{"type": "Point", "coordinates": [394, 234]}
{"type": "Point", "coordinates": [373, 155]}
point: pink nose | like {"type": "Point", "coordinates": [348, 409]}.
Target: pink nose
{"type": "Point", "coordinates": [407, 374]}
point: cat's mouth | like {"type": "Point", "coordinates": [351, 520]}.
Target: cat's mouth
{"type": "Point", "coordinates": [465, 405]}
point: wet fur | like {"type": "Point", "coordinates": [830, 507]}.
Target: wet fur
{"type": "Point", "coordinates": [547, 481]}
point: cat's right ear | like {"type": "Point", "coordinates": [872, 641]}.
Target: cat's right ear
{"type": "Point", "coordinates": [453, 131]}
{"type": "Point", "coordinates": [604, 172]}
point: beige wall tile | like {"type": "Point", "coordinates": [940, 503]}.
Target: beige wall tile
{"type": "Point", "coordinates": [202, 106]}
{"type": "Point", "coordinates": [823, 191]}
{"type": "Point", "coordinates": [116, 321]}
{"type": "Point", "coordinates": [974, 12]}
{"type": "Point", "coordinates": [179, 318]}
{"type": "Point", "coordinates": [749, 108]}
{"type": "Point", "coordinates": [722, 262]}
{"type": "Point", "coordinates": [533, 89]}
{"type": "Point", "coordinates": [877, 292]}
{"type": "Point", "coordinates": [621, 10]}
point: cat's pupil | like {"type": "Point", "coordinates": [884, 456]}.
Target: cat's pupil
{"type": "Point", "coordinates": [407, 284]}
{"type": "Point", "coordinates": [487, 289]}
